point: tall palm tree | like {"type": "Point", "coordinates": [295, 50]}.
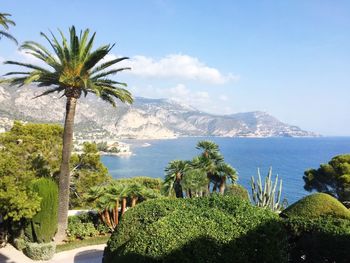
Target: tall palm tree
{"type": "Point", "coordinates": [173, 176]}
{"type": "Point", "coordinates": [5, 22]}
{"type": "Point", "coordinates": [72, 69]}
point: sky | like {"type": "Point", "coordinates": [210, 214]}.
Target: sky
{"type": "Point", "coordinates": [288, 58]}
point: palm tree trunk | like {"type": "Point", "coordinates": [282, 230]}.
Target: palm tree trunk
{"type": "Point", "coordinates": [108, 219]}
{"type": "Point", "coordinates": [133, 201]}
{"type": "Point", "coordinates": [116, 219]}
{"type": "Point", "coordinates": [222, 185]}
{"type": "Point", "coordinates": [64, 178]}
{"type": "Point", "coordinates": [123, 205]}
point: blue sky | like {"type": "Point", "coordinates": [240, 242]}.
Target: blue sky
{"type": "Point", "coordinates": [288, 58]}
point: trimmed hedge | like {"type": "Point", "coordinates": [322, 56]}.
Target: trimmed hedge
{"type": "Point", "coordinates": [324, 239]}
{"type": "Point", "coordinates": [316, 205]}
{"type": "Point", "coordinates": [208, 229]}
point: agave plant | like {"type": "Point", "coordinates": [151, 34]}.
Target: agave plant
{"type": "Point", "coordinates": [265, 195]}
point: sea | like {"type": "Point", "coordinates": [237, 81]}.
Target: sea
{"type": "Point", "coordinates": [288, 157]}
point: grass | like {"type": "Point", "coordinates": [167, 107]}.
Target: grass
{"type": "Point", "coordinates": [82, 243]}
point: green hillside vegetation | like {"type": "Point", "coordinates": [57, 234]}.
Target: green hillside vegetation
{"type": "Point", "coordinates": [316, 205]}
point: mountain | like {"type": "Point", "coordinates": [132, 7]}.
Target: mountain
{"type": "Point", "coordinates": [144, 119]}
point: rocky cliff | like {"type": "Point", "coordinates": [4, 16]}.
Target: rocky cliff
{"type": "Point", "coordinates": [145, 119]}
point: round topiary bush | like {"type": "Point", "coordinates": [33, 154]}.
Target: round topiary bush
{"type": "Point", "coordinates": [237, 190]}
{"type": "Point", "coordinates": [208, 229]}
{"type": "Point", "coordinates": [40, 251]}
{"type": "Point", "coordinates": [316, 205]}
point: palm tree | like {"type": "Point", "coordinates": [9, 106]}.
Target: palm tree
{"type": "Point", "coordinates": [194, 182]}
{"type": "Point", "coordinates": [225, 172]}
{"type": "Point", "coordinates": [5, 22]}
{"type": "Point", "coordinates": [212, 161]}
{"type": "Point", "coordinates": [209, 160]}
{"type": "Point", "coordinates": [173, 176]}
{"type": "Point", "coordinates": [208, 147]}
{"type": "Point", "coordinates": [72, 70]}
{"type": "Point", "coordinates": [134, 192]}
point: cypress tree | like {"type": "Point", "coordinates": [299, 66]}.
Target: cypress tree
{"type": "Point", "coordinates": [44, 224]}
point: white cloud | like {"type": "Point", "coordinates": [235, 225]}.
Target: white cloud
{"type": "Point", "coordinates": [175, 66]}
{"type": "Point", "coordinates": [223, 98]}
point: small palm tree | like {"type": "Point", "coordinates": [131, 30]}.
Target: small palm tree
{"type": "Point", "coordinates": [208, 147]}
{"type": "Point", "coordinates": [225, 172]}
{"type": "Point", "coordinates": [72, 69]}
{"type": "Point", "coordinates": [194, 182]}
{"type": "Point", "coordinates": [212, 161]}
{"type": "Point", "coordinates": [173, 176]}
{"type": "Point", "coordinates": [5, 22]}
{"type": "Point", "coordinates": [134, 192]}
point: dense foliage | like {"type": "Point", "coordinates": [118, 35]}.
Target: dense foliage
{"type": "Point", "coordinates": [316, 205]}
{"type": "Point", "coordinates": [43, 225]}
{"type": "Point", "coordinates": [332, 178]}
{"type": "Point", "coordinates": [27, 151]}
{"type": "Point", "coordinates": [208, 229]}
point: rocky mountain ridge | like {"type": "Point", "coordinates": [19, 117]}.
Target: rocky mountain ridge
{"type": "Point", "coordinates": [144, 119]}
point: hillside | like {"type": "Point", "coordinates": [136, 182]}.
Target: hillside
{"type": "Point", "coordinates": [145, 119]}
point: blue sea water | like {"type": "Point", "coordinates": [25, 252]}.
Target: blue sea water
{"type": "Point", "coordinates": [288, 157]}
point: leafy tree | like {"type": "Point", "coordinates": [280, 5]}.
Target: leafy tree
{"type": "Point", "coordinates": [87, 170]}
{"type": "Point", "coordinates": [72, 69]}
{"type": "Point", "coordinates": [5, 22]}
{"type": "Point", "coordinates": [332, 178]}
{"type": "Point", "coordinates": [36, 147]}
{"type": "Point", "coordinates": [17, 200]}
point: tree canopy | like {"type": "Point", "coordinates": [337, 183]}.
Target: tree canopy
{"type": "Point", "coordinates": [332, 178]}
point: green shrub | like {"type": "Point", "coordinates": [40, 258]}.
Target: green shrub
{"type": "Point", "coordinates": [82, 226]}
{"type": "Point", "coordinates": [43, 251]}
{"type": "Point", "coordinates": [324, 239]}
{"type": "Point", "coordinates": [237, 190]}
{"type": "Point", "coordinates": [43, 225]}
{"type": "Point", "coordinates": [208, 229]}
{"type": "Point", "coordinates": [316, 205]}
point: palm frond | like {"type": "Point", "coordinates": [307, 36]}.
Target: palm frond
{"type": "Point", "coordinates": [9, 36]}
{"type": "Point", "coordinates": [57, 89]}
{"type": "Point", "coordinates": [108, 64]}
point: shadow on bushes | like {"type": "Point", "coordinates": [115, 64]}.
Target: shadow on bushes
{"type": "Point", "coordinates": [319, 241]}
{"type": "Point", "coordinates": [253, 247]}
